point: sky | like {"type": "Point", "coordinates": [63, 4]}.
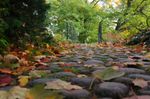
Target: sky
{"type": "Point", "coordinates": [113, 2]}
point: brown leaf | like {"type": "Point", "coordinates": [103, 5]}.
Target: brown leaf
{"type": "Point", "coordinates": [133, 64]}
{"type": "Point", "coordinates": [147, 55]}
{"type": "Point", "coordinates": [140, 83]}
{"type": "Point", "coordinates": [1, 58]}
{"type": "Point", "coordinates": [37, 58]}
{"type": "Point", "coordinates": [10, 59]}
{"type": "Point", "coordinates": [45, 60]}
{"type": "Point", "coordinates": [138, 49]}
{"type": "Point", "coordinates": [24, 62]}
{"type": "Point", "coordinates": [22, 69]}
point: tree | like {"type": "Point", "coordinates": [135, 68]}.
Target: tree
{"type": "Point", "coordinates": [100, 32]}
{"type": "Point", "coordinates": [22, 18]}
{"type": "Point", "coordinates": [78, 16]}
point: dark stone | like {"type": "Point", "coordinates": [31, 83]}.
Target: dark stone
{"type": "Point", "coordinates": [85, 81]}
{"type": "Point", "coordinates": [84, 70]}
{"type": "Point", "coordinates": [132, 71]}
{"type": "Point", "coordinates": [55, 68]}
{"type": "Point", "coordinates": [143, 92]}
{"type": "Point", "coordinates": [111, 89]}
{"type": "Point", "coordinates": [98, 68]}
{"type": "Point", "coordinates": [135, 64]}
{"type": "Point", "coordinates": [75, 94]}
{"type": "Point", "coordinates": [124, 80]}
{"type": "Point", "coordinates": [93, 62]}
{"type": "Point", "coordinates": [104, 98]}
{"type": "Point", "coordinates": [122, 60]}
{"type": "Point", "coordinates": [136, 57]}
{"type": "Point", "coordinates": [6, 88]}
{"type": "Point", "coordinates": [146, 60]}
{"type": "Point", "coordinates": [64, 75]}
{"type": "Point", "coordinates": [121, 55]}
{"type": "Point", "coordinates": [40, 81]}
{"type": "Point", "coordinates": [142, 76]}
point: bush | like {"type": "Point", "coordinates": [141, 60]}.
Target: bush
{"type": "Point", "coordinates": [3, 45]}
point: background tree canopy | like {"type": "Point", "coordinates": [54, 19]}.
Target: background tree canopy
{"type": "Point", "coordinates": [24, 21]}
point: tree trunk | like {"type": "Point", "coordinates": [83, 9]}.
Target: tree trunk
{"type": "Point", "coordinates": [100, 32]}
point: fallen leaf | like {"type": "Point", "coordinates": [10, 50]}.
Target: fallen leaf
{"type": "Point", "coordinates": [138, 49]}
{"type": "Point", "coordinates": [23, 80]}
{"type": "Point", "coordinates": [39, 73]}
{"type": "Point", "coordinates": [140, 83]}
{"type": "Point", "coordinates": [22, 69]}
{"type": "Point", "coordinates": [81, 75]}
{"type": "Point", "coordinates": [37, 58]}
{"type": "Point", "coordinates": [41, 65]}
{"type": "Point", "coordinates": [5, 80]}
{"type": "Point", "coordinates": [18, 93]}
{"type": "Point", "coordinates": [59, 84]}
{"type": "Point", "coordinates": [108, 73]}
{"type": "Point", "coordinates": [13, 65]}
{"type": "Point", "coordinates": [1, 58]}
{"type": "Point", "coordinates": [3, 95]}
{"type": "Point", "coordinates": [65, 64]}
{"type": "Point", "coordinates": [45, 60]}
{"type": "Point", "coordinates": [147, 55]}
{"type": "Point", "coordinates": [38, 92]}
{"type": "Point", "coordinates": [6, 71]}
{"type": "Point", "coordinates": [67, 70]}
{"type": "Point", "coordinates": [23, 62]}
{"type": "Point", "coordinates": [133, 64]}
{"type": "Point", "coordinates": [10, 59]}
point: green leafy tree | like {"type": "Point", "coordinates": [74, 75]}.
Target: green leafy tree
{"type": "Point", "coordinates": [75, 19]}
{"type": "Point", "coordinates": [22, 20]}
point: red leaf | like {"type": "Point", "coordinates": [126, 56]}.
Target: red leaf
{"type": "Point", "coordinates": [5, 80]}
{"type": "Point", "coordinates": [45, 60]}
{"type": "Point", "coordinates": [67, 70]}
{"type": "Point", "coordinates": [66, 64]}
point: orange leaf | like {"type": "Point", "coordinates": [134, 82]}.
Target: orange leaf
{"type": "Point", "coordinates": [6, 71]}
{"type": "Point", "coordinates": [67, 70]}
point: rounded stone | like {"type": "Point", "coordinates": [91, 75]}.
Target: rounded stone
{"type": "Point", "coordinates": [142, 76]}
{"type": "Point", "coordinates": [40, 81]}
{"type": "Point", "coordinates": [143, 92]}
{"type": "Point", "coordinates": [124, 80]}
{"type": "Point", "coordinates": [132, 70]}
{"type": "Point", "coordinates": [84, 70]}
{"type": "Point", "coordinates": [84, 81]}
{"type": "Point", "coordinates": [111, 89]}
{"type": "Point", "coordinates": [76, 94]}
{"type": "Point", "coordinates": [64, 75]}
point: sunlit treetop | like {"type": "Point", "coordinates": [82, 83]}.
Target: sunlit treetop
{"type": "Point", "coordinates": [107, 3]}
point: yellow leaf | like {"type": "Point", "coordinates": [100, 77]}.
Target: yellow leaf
{"type": "Point", "coordinates": [147, 55]}
{"type": "Point", "coordinates": [60, 84]}
{"type": "Point", "coordinates": [23, 80]}
{"type": "Point", "coordinates": [38, 92]}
